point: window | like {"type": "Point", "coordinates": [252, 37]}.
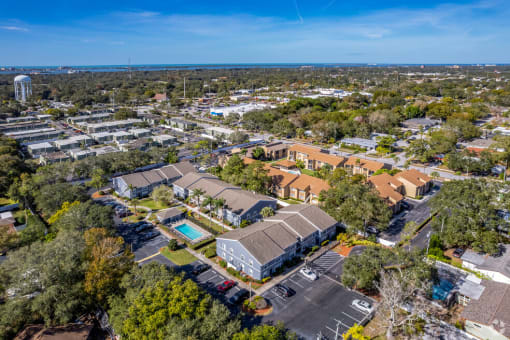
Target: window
{"type": "Point", "coordinates": [242, 257]}
{"type": "Point", "coordinates": [231, 259]}
{"type": "Point", "coordinates": [225, 246]}
{"type": "Point", "coordinates": [251, 271]}
{"type": "Point", "coordinates": [251, 263]}
{"type": "Point", "coordinates": [231, 250]}
{"type": "Point", "coordinates": [224, 255]}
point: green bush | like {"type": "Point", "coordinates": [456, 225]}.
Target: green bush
{"type": "Point", "coordinates": [315, 248]}
{"type": "Point", "coordinates": [267, 278]}
{"type": "Point", "coordinates": [173, 245]}
{"type": "Point", "coordinates": [324, 243]}
{"type": "Point", "coordinates": [232, 271]}
{"type": "Point", "coordinates": [223, 264]}
{"type": "Point", "coordinates": [437, 252]}
{"type": "Point", "coordinates": [210, 252]}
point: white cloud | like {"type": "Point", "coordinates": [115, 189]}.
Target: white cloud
{"type": "Point", "coordinates": [14, 28]}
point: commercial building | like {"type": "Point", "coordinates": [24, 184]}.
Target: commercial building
{"type": "Point", "coordinates": [141, 184]}
{"type": "Point", "coordinates": [239, 109]}
{"type": "Point", "coordinates": [239, 204]}
{"type": "Point", "coordinates": [122, 136]}
{"type": "Point", "coordinates": [110, 126]}
{"type": "Point", "coordinates": [213, 132]}
{"type": "Point", "coordinates": [140, 133]}
{"type": "Point", "coordinates": [367, 144]}
{"type": "Point", "coordinates": [98, 117]}
{"type": "Point", "coordinates": [416, 124]}
{"type": "Point", "coordinates": [102, 137]}
{"type": "Point", "coordinates": [313, 158]}
{"type": "Point", "coordinates": [260, 249]}
{"type": "Point", "coordinates": [165, 140]}
{"type": "Point", "coordinates": [53, 157]}
{"type": "Point", "coordinates": [78, 154]}
{"type": "Point", "coordinates": [37, 136]}
{"type": "Point", "coordinates": [182, 125]}
{"type": "Point", "coordinates": [4, 128]}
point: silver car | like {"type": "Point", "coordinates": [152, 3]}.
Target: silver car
{"type": "Point", "coordinates": [363, 306]}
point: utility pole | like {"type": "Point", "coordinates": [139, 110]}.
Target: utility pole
{"type": "Point", "coordinates": [184, 88]}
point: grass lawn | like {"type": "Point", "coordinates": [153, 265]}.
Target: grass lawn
{"type": "Point", "coordinates": [307, 172]}
{"type": "Point", "coordinates": [180, 257]}
{"type": "Point", "coordinates": [6, 201]}
{"type": "Point", "coordinates": [150, 203]}
{"type": "Point", "coordinates": [291, 201]}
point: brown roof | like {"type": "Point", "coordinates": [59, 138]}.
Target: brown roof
{"type": "Point", "coordinates": [286, 163]}
{"type": "Point", "coordinates": [364, 163]}
{"type": "Point", "coordinates": [317, 154]}
{"type": "Point", "coordinates": [492, 308]}
{"type": "Point", "coordinates": [315, 184]}
{"type": "Point", "coordinates": [276, 146]}
{"type": "Point", "coordinates": [414, 176]}
{"type": "Point", "coordinates": [388, 187]}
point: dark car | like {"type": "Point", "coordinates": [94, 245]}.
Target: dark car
{"type": "Point", "coordinates": [150, 235]}
{"type": "Point", "coordinates": [405, 205]}
{"type": "Point", "coordinates": [225, 285]}
{"type": "Point", "coordinates": [283, 290]}
{"type": "Point", "coordinates": [137, 224]}
{"type": "Point", "coordinates": [200, 268]}
{"type": "Point", "coordinates": [143, 227]}
{"type": "Point", "coordinates": [458, 252]}
{"type": "Point", "coordinates": [238, 297]}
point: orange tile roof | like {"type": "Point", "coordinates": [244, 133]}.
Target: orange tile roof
{"type": "Point", "coordinates": [280, 178]}
{"type": "Point", "coordinates": [387, 187]}
{"type": "Point", "coordinates": [286, 163]}
{"type": "Point", "coordinates": [316, 184]}
{"type": "Point", "coordinates": [365, 163]}
{"type": "Point", "coordinates": [414, 176]}
{"type": "Point", "coordinates": [316, 154]}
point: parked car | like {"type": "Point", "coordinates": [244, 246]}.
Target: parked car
{"type": "Point", "coordinates": [283, 290]}
{"type": "Point", "coordinates": [225, 285]}
{"type": "Point", "coordinates": [143, 227]}
{"type": "Point", "coordinates": [307, 272]}
{"type": "Point", "coordinates": [405, 205]}
{"type": "Point", "coordinates": [238, 297]}
{"type": "Point", "coordinates": [362, 305]}
{"type": "Point", "coordinates": [373, 230]}
{"type": "Point", "coordinates": [200, 268]}
{"type": "Point", "coordinates": [150, 235]}
{"type": "Point", "coordinates": [458, 252]}
{"type": "Point", "coordinates": [137, 224]}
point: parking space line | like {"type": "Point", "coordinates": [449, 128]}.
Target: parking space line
{"type": "Point", "coordinates": [350, 317]}
{"type": "Point", "coordinates": [212, 277]}
{"type": "Point", "coordinates": [359, 311]}
{"type": "Point", "coordinates": [343, 324]}
{"type": "Point", "coordinates": [297, 284]}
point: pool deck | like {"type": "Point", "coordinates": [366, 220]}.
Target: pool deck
{"type": "Point", "coordinates": [205, 233]}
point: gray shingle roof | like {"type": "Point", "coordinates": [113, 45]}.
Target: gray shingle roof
{"type": "Point", "coordinates": [168, 213]}
{"type": "Point", "coordinates": [492, 308]}
{"type": "Point", "coordinates": [145, 178]}
{"type": "Point", "coordinates": [268, 239]}
{"type": "Point", "coordinates": [499, 263]}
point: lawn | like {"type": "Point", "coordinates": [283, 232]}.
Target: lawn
{"type": "Point", "coordinates": [6, 201]}
{"type": "Point", "coordinates": [307, 172]}
{"type": "Point", "coordinates": [180, 257]}
{"type": "Point", "coordinates": [151, 204]}
{"type": "Point", "coordinates": [291, 201]}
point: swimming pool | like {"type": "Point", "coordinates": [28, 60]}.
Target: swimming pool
{"type": "Point", "coordinates": [189, 231]}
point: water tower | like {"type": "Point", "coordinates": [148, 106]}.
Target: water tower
{"type": "Point", "coordinates": [22, 87]}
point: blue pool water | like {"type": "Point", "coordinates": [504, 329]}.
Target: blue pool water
{"type": "Point", "coordinates": [189, 231]}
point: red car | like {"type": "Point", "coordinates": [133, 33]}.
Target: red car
{"type": "Point", "coordinates": [226, 285]}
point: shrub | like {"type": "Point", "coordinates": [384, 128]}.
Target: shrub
{"type": "Point", "coordinates": [139, 218]}
{"type": "Point", "coordinates": [315, 248]}
{"type": "Point", "coordinates": [437, 252]}
{"type": "Point", "coordinates": [173, 245]}
{"type": "Point", "coordinates": [223, 264]}
{"type": "Point", "coordinates": [244, 223]}
{"type": "Point", "coordinates": [342, 237]}
{"type": "Point", "coordinates": [210, 252]}
{"type": "Point", "coordinates": [232, 271]}
{"type": "Point", "coordinates": [324, 242]}
{"type": "Point", "coordinates": [101, 192]}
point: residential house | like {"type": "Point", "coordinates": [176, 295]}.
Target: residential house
{"type": "Point", "coordinates": [170, 215]}
{"type": "Point", "coordinates": [313, 158]}
{"type": "Point", "coordinates": [488, 317]}
{"type": "Point", "coordinates": [415, 124]}
{"type": "Point", "coordinates": [390, 189]}
{"type": "Point", "coordinates": [364, 167]}
{"type": "Point", "coordinates": [308, 188]}
{"type": "Point", "coordinates": [260, 249]}
{"type": "Point", "coordinates": [367, 144]}
{"type": "Point", "coordinates": [239, 204]}
{"type": "Point", "coordinates": [415, 183]}
{"type": "Point", "coordinates": [141, 184]}
{"type": "Point", "coordinates": [53, 157]}
{"type": "Point", "coordinates": [40, 148]}
{"type": "Point", "coordinates": [496, 267]}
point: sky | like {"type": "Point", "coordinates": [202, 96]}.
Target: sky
{"type": "Point", "coordinates": [111, 32]}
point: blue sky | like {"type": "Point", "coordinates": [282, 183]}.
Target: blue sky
{"type": "Point", "coordinates": [277, 31]}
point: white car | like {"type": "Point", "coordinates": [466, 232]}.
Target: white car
{"type": "Point", "coordinates": [363, 306]}
{"type": "Point", "coordinates": [306, 272]}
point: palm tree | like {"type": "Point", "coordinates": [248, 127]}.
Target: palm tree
{"type": "Point", "coordinates": [197, 193]}
{"type": "Point", "coordinates": [208, 202]}
{"type": "Point", "coordinates": [219, 204]}
{"type": "Point", "coordinates": [266, 212]}
{"type": "Point", "coordinates": [134, 202]}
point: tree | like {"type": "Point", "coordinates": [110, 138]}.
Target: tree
{"type": "Point", "coordinates": [173, 245]}
{"type": "Point", "coordinates": [266, 332]}
{"type": "Point", "coordinates": [163, 194]}
{"type": "Point", "coordinates": [219, 204]}
{"type": "Point", "coordinates": [98, 179]}
{"type": "Point", "coordinates": [267, 212]}
{"type": "Point", "coordinates": [208, 202]}
{"type": "Point", "coordinates": [258, 153]}
{"type": "Point", "coordinates": [8, 238]}
{"type": "Point", "coordinates": [467, 214]}
{"type": "Point", "coordinates": [357, 206]}
{"type": "Point", "coordinates": [135, 202]}
{"type": "Point", "coordinates": [233, 169]}
{"type": "Point", "coordinates": [355, 333]}
{"type": "Point", "coordinates": [49, 198]}
{"type": "Point", "coordinates": [197, 195]}
{"type": "Point", "coordinates": [398, 288]}
{"type": "Point", "coordinates": [386, 142]}
{"type": "Point", "coordinates": [255, 178]}
{"type": "Point", "coordinates": [124, 113]}
{"type": "Point", "coordinates": [172, 156]}
{"type": "Point", "coordinates": [83, 216]}
{"type": "Point", "coordinates": [109, 261]}
{"type": "Point", "coordinates": [238, 137]}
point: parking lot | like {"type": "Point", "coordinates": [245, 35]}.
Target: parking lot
{"type": "Point", "coordinates": [318, 307]}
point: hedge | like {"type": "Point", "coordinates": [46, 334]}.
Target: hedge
{"type": "Point", "coordinates": [210, 252]}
